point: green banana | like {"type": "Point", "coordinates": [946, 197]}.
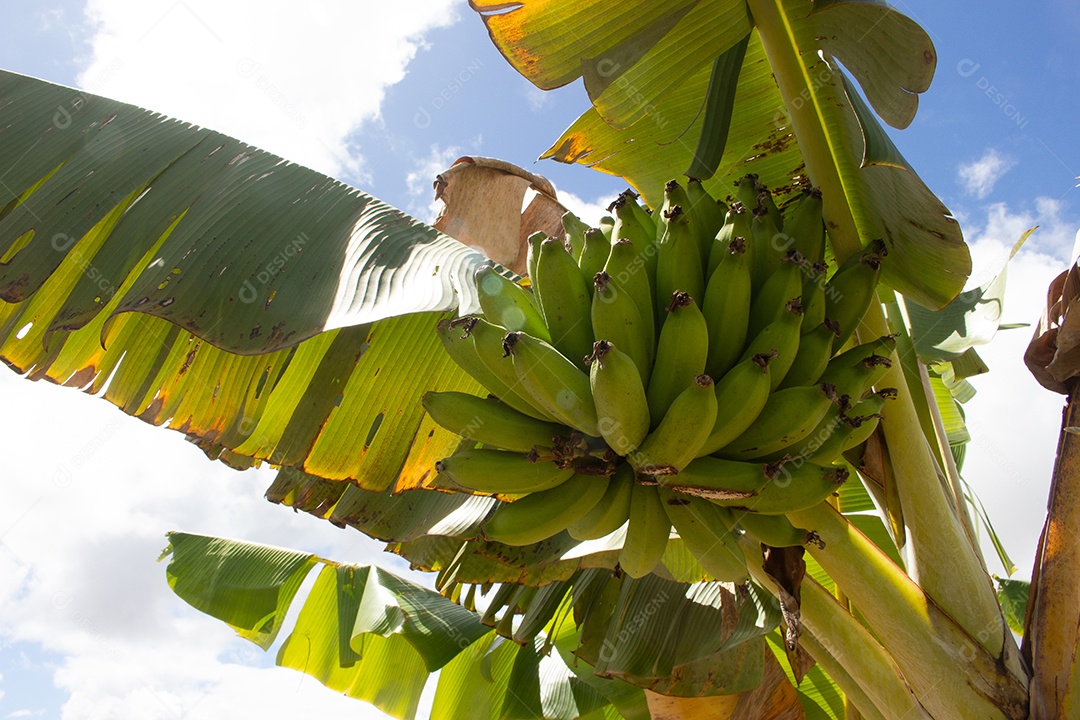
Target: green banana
{"type": "Point", "coordinates": [679, 436]}
{"type": "Point", "coordinates": [766, 200]}
{"type": "Point", "coordinates": [500, 471]}
{"type": "Point", "coordinates": [575, 229]}
{"type": "Point", "coordinates": [831, 423]}
{"type": "Point", "coordinates": [741, 395]}
{"type": "Point", "coordinates": [629, 274]}
{"type": "Point", "coordinates": [678, 258]}
{"type": "Point", "coordinates": [540, 515]}
{"type": "Point", "coordinates": [490, 421]}
{"type": "Point", "coordinates": [747, 189]}
{"type": "Point", "coordinates": [813, 296]}
{"type": "Point", "coordinates": [859, 424]}
{"type": "Point", "coordinates": [532, 254]}
{"type": "Point", "coordinates": [805, 226]}
{"type": "Point", "coordinates": [647, 532]}
{"type": "Point", "coordinates": [769, 244]}
{"type": "Point", "coordinates": [707, 531]}
{"type": "Point", "coordinates": [815, 349]}
{"type": "Point", "coordinates": [640, 211]}
{"type": "Point", "coordinates": [737, 224]}
{"type": "Point", "coordinates": [775, 530]}
{"type": "Point", "coordinates": [680, 354]}
{"type": "Point", "coordinates": [555, 383]}
{"type": "Point", "coordinates": [629, 226]}
{"type": "Point", "coordinates": [785, 283]}
{"type": "Point", "coordinates": [719, 479]}
{"type": "Point", "coordinates": [615, 317]}
{"type": "Point", "coordinates": [855, 371]}
{"type": "Point", "coordinates": [607, 226]}
{"type": "Point", "coordinates": [781, 337]}
{"type": "Point", "coordinates": [593, 255]}
{"type": "Point", "coordinates": [613, 510]}
{"type": "Point", "coordinates": [622, 409]}
{"type": "Point", "coordinates": [853, 287]}
{"type": "Point", "coordinates": [727, 309]}
{"type": "Point", "coordinates": [709, 213]}
{"type": "Point", "coordinates": [788, 417]}
{"type": "Point", "coordinates": [797, 486]}
{"type": "Point", "coordinates": [565, 301]}
{"type": "Point", "coordinates": [509, 305]}
{"type": "Point", "coordinates": [457, 339]}
{"type": "Point", "coordinates": [488, 341]}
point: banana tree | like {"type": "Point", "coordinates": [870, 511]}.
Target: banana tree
{"type": "Point", "coordinates": [276, 315]}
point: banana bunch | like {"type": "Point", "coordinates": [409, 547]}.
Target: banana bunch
{"type": "Point", "coordinates": [679, 367]}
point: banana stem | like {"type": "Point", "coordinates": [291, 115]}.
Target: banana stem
{"type": "Point", "coordinates": [942, 559]}
{"type": "Point", "coordinates": [846, 650]}
{"type": "Point", "coordinates": [950, 671]}
{"type": "Point", "coordinates": [857, 704]}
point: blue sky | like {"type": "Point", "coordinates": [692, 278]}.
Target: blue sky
{"type": "Point", "coordinates": [88, 628]}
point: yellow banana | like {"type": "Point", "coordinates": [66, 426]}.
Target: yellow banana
{"type": "Point", "coordinates": [680, 354]}
{"type": "Point", "coordinates": [622, 409]}
{"type": "Point", "coordinates": [500, 471]}
{"type": "Point", "coordinates": [741, 395]}
{"type": "Point", "coordinates": [556, 384]}
{"type": "Point", "coordinates": [490, 421]}
{"type": "Point", "coordinates": [508, 305]}
{"type": "Point", "coordinates": [613, 510]}
{"type": "Point", "coordinates": [679, 436]}
{"type": "Point", "coordinates": [540, 515]}
{"type": "Point", "coordinates": [727, 309]}
{"type": "Point", "coordinates": [565, 301]}
{"type": "Point", "coordinates": [707, 531]}
{"type": "Point", "coordinates": [647, 532]}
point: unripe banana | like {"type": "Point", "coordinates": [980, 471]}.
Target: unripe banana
{"type": "Point", "coordinates": [680, 354]}
{"type": "Point", "coordinates": [488, 342]}
{"type": "Point", "coordinates": [727, 309]}
{"type": "Point", "coordinates": [629, 226]}
{"type": "Point", "coordinates": [593, 255]}
{"type": "Point", "coordinates": [855, 371]}
{"type": "Point", "coordinates": [622, 410]}
{"type": "Point", "coordinates": [565, 301]}
{"type": "Point", "coordinates": [832, 423]}
{"type": "Point", "coordinates": [718, 479]}
{"type": "Point", "coordinates": [615, 317]}
{"type": "Point", "coordinates": [741, 395]}
{"type": "Point", "coordinates": [613, 510]}
{"type": "Point", "coordinates": [555, 383]}
{"type": "Point", "coordinates": [707, 532]}
{"type": "Point", "coordinates": [709, 213]}
{"type": "Point", "coordinates": [775, 530]}
{"type": "Point", "coordinates": [788, 417]}
{"type": "Point", "coordinates": [799, 485]}
{"type": "Point", "coordinates": [500, 471]}
{"type": "Point", "coordinates": [457, 339]}
{"type": "Point", "coordinates": [854, 286]}
{"type": "Point", "coordinates": [540, 515]}
{"type": "Point", "coordinates": [769, 244]}
{"type": "Point", "coordinates": [677, 195]}
{"type": "Point", "coordinates": [815, 349]}
{"type": "Point", "coordinates": [646, 532]}
{"type": "Point", "coordinates": [784, 282]}
{"type": "Point", "coordinates": [679, 436]}
{"type": "Point", "coordinates": [640, 211]}
{"type": "Point", "coordinates": [859, 424]}
{"type": "Point", "coordinates": [813, 296]}
{"type": "Point", "coordinates": [766, 200]}
{"type": "Point", "coordinates": [607, 226]}
{"type": "Point", "coordinates": [629, 274]}
{"type": "Point", "coordinates": [678, 258]}
{"type": "Point", "coordinates": [532, 254]}
{"type": "Point", "coordinates": [747, 189]}
{"type": "Point", "coordinates": [805, 226]}
{"type": "Point", "coordinates": [508, 305]}
{"type": "Point", "coordinates": [490, 421]}
{"type": "Point", "coordinates": [781, 337]}
{"type": "Point", "coordinates": [737, 224]}
{"type": "Point", "coordinates": [575, 229]}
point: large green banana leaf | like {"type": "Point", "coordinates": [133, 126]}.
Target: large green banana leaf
{"type": "Point", "coordinates": [674, 92]}
{"type": "Point", "coordinates": [265, 310]}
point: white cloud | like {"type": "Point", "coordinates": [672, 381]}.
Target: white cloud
{"type": "Point", "coordinates": [1014, 422]}
{"type": "Point", "coordinates": [538, 99]}
{"type": "Point", "coordinates": [292, 78]}
{"type": "Point", "coordinates": [589, 211]}
{"type": "Point", "coordinates": [979, 176]}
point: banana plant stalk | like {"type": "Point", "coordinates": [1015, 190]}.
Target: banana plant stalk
{"type": "Point", "coordinates": [940, 557]}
